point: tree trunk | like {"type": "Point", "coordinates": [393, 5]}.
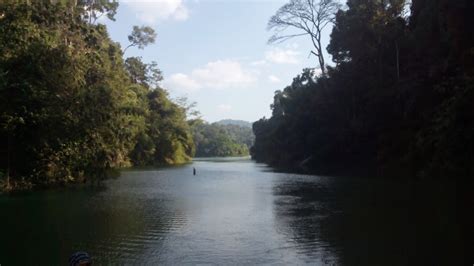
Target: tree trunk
{"type": "Point", "coordinates": [321, 58]}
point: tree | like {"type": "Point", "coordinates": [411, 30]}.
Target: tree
{"type": "Point", "coordinates": [62, 101]}
{"type": "Point", "coordinates": [141, 37]}
{"type": "Point", "coordinates": [168, 129]}
{"type": "Point", "coordinates": [189, 108]}
{"type": "Point", "coordinates": [398, 102]}
{"type": "Point", "coordinates": [95, 9]}
{"type": "Point", "coordinates": [148, 75]}
{"type": "Point", "coordinates": [136, 70]}
{"type": "Point", "coordinates": [70, 107]}
{"type": "Point", "coordinates": [309, 18]}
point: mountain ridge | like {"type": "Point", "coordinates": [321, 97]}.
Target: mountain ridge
{"type": "Point", "coordinates": [236, 122]}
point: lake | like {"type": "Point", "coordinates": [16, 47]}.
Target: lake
{"type": "Point", "coordinates": [234, 211]}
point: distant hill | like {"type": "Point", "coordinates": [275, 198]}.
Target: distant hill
{"type": "Point", "coordinates": [222, 139]}
{"type": "Point", "coordinates": [215, 140]}
{"type": "Point", "coordinates": [241, 123]}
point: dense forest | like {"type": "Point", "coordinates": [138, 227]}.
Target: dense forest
{"type": "Point", "coordinates": [221, 139]}
{"type": "Point", "coordinates": [71, 105]}
{"type": "Point", "coordinates": [241, 123]}
{"type": "Point", "coordinates": [397, 101]}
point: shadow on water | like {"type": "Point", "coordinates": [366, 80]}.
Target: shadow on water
{"type": "Point", "coordinates": [235, 212]}
{"type": "Point", "coordinates": [111, 224]}
{"type": "Point", "coordinates": [357, 222]}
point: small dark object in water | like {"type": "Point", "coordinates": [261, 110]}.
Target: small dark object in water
{"type": "Point", "coordinates": [194, 171]}
{"type": "Point", "coordinates": [80, 258]}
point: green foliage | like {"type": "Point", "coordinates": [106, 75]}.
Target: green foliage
{"type": "Point", "coordinates": [240, 134]}
{"type": "Point", "coordinates": [148, 75]}
{"type": "Point", "coordinates": [94, 9]}
{"type": "Point", "coordinates": [168, 130]}
{"type": "Point", "coordinates": [214, 140]}
{"type": "Point", "coordinates": [398, 101]}
{"type": "Point", "coordinates": [141, 37]}
{"type": "Point", "coordinates": [241, 123]}
{"type": "Point", "coordinates": [70, 107]}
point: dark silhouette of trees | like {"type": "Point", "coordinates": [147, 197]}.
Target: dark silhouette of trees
{"type": "Point", "coordinates": [396, 102]}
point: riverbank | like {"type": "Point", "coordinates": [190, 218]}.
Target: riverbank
{"type": "Point", "coordinates": [23, 185]}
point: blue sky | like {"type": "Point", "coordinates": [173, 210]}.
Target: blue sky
{"type": "Point", "coordinates": [216, 53]}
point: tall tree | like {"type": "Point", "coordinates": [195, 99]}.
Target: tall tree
{"type": "Point", "coordinates": [308, 18]}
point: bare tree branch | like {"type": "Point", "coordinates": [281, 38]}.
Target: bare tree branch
{"type": "Point", "coordinates": [283, 38]}
{"type": "Point", "coordinates": [309, 17]}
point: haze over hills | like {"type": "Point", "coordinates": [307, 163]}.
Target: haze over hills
{"type": "Point", "coordinates": [241, 123]}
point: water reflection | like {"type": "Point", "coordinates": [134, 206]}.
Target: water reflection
{"type": "Point", "coordinates": [113, 225]}
{"type": "Point", "coordinates": [369, 222]}
{"type": "Point", "coordinates": [234, 212]}
{"type": "Point", "coordinates": [301, 207]}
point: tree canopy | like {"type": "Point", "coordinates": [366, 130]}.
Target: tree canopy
{"type": "Point", "coordinates": [141, 37]}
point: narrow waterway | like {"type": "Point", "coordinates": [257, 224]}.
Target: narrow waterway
{"type": "Point", "coordinates": [234, 211]}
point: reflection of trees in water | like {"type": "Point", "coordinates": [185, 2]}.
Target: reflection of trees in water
{"type": "Point", "coordinates": [361, 222]}
{"type": "Point", "coordinates": [130, 229]}
{"type": "Point", "coordinates": [113, 228]}
{"type": "Point", "coordinates": [301, 210]}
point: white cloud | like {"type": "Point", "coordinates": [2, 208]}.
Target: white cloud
{"type": "Point", "coordinates": [182, 82]}
{"type": "Point", "coordinates": [224, 107]}
{"type": "Point", "coordinates": [273, 79]}
{"type": "Point", "coordinates": [150, 11]}
{"type": "Point", "coordinates": [221, 74]}
{"type": "Point", "coordinates": [280, 56]}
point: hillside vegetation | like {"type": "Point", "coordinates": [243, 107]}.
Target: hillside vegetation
{"type": "Point", "coordinates": [71, 105]}
{"type": "Point", "coordinates": [218, 140]}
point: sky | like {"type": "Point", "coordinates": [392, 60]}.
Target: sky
{"type": "Point", "coordinates": [215, 52]}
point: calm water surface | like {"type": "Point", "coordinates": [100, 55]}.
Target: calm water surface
{"type": "Point", "coordinates": [233, 212]}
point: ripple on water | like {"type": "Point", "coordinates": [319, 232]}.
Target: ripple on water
{"type": "Point", "coordinates": [231, 213]}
